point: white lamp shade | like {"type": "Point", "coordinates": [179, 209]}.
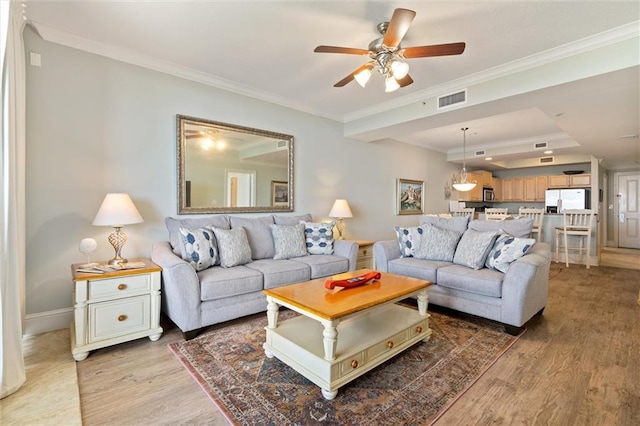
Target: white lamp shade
{"type": "Point", "coordinates": [464, 186]}
{"type": "Point", "coordinates": [340, 209]}
{"type": "Point", "coordinates": [400, 69]}
{"type": "Point", "coordinates": [391, 84]}
{"type": "Point", "coordinates": [363, 76]}
{"type": "Point", "coordinates": [117, 210]}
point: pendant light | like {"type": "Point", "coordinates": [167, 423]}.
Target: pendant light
{"type": "Point", "coordinates": [461, 184]}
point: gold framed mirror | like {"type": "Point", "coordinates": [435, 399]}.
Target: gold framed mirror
{"type": "Point", "coordinates": [224, 168]}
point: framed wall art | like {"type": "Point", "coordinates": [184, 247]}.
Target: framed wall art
{"type": "Point", "coordinates": [410, 197]}
{"type": "Point", "coordinates": [279, 194]}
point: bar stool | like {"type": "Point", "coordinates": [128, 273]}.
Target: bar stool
{"type": "Point", "coordinates": [537, 215]}
{"type": "Point", "coordinates": [467, 211]}
{"type": "Point", "coordinates": [496, 214]}
{"type": "Point", "coordinates": [578, 223]}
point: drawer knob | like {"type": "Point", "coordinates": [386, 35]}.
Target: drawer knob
{"type": "Point", "coordinates": [364, 251]}
{"type": "Point", "coordinates": [419, 329]}
{"type": "Point", "coordinates": [390, 344]}
{"type": "Point", "coordinates": [354, 364]}
{"type": "Point", "coordinates": [122, 286]}
{"type": "Point", "coordinates": [122, 318]}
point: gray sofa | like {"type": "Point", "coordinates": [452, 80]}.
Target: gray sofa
{"type": "Point", "coordinates": [193, 300]}
{"type": "Point", "coordinates": [512, 297]}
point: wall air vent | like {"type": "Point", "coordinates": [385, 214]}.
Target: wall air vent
{"type": "Point", "coordinates": [546, 160]}
{"type": "Point", "coordinates": [541, 145]}
{"type": "Point", "coordinates": [480, 153]}
{"type": "Point", "coordinates": [446, 101]}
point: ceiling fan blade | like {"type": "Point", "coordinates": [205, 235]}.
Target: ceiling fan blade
{"type": "Point", "coordinates": [434, 50]}
{"type": "Point", "coordinates": [398, 27]}
{"type": "Point", "coordinates": [350, 77]}
{"type": "Point", "coordinates": [405, 81]}
{"type": "Point", "coordinates": [335, 49]}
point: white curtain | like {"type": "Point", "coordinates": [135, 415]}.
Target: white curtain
{"type": "Point", "coordinates": [12, 198]}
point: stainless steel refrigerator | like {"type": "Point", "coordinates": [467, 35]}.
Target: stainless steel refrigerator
{"type": "Point", "coordinates": [558, 200]}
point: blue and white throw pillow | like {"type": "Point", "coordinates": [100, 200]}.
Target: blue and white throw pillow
{"type": "Point", "coordinates": [409, 239]}
{"type": "Point", "coordinates": [199, 247]}
{"type": "Point", "coordinates": [438, 243]}
{"type": "Point", "coordinates": [289, 241]}
{"type": "Point", "coordinates": [506, 250]}
{"type": "Point", "coordinates": [319, 237]}
{"type": "Point", "coordinates": [473, 248]}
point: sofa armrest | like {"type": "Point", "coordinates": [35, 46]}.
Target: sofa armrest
{"type": "Point", "coordinates": [180, 287]}
{"type": "Point", "coordinates": [348, 249]}
{"type": "Point", "coordinates": [385, 251]}
{"type": "Point", "coordinates": [525, 286]}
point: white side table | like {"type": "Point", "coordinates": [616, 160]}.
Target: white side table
{"type": "Point", "coordinates": [365, 255]}
{"type": "Point", "coordinates": [115, 307]}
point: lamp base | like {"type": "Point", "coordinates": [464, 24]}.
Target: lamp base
{"type": "Point", "coordinates": [117, 239]}
{"type": "Point", "coordinates": [340, 226]}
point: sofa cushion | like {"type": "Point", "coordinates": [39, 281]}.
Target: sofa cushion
{"type": "Point", "coordinates": [417, 268]}
{"type": "Point", "coordinates": [409, 239]}
{"type": "Point", "coordinates": [233, 247]}
{"type": "Point", "coordinates": [506, 250]}
{"type": "Point", "coordinates": [219, 283]}
{"type": "Point", "coordinates": [438, 243]}
{"type": "Point", "coordinates": [456, 223]}
{"type": "Point", "coordinates": [473, 248]}
{"type": "Point", "coordinates": [519, 227]}
{"type": "Point", "coordinates": [258, 233]}
{"type": "Point", "coordinates": [319, 237]}
{"type": "Point", "coordinates": [198, 247]}
{"type": "Point", "coordinates": [174, 225]}
{"type": "Point", "coordinates": [291, 220]}
{"type": "Point", "coordinates": [487, 282]}
{"type": "Point", "coordinates": [277, 273]}
{"type": "Point", "coordinates": [323, 265]}
{"type": "Point", "coordinates": [289, 241]}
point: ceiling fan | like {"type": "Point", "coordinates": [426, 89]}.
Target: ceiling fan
{"type": "Point", "coordinates": [387, 55]}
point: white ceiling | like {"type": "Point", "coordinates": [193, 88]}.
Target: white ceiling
{"type": "Point", "coordinates": [264, 49]}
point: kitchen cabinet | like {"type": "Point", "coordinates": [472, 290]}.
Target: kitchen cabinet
{"type": "Point", "coordinates": [534, 188]}
{"type": "Point", "coordinates": [542, 183]}
{"type": "Point", "coordinates": [513, 189]}
{"type": "Point", "coordinates": [570, 181]}
{"type": "Point", "coordinates": [496, 184]}
{"type": "Point", "coordinates": [485, 178]}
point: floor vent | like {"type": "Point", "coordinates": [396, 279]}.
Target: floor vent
{"type": "Point", "coordinates": [546, 160]}
{"type": "Point", "coordinates": [541, 145]}
{"type": "Point", "coordinates": [452, 99]}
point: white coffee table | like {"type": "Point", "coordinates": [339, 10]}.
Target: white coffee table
{"type": "Point", "coordinates": [345, 332]}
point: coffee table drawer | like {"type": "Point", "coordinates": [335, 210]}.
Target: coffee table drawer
{"type": "Point", "coordinates": [354, 362]}
{"type": "Point", "coordinates": [386, 345]}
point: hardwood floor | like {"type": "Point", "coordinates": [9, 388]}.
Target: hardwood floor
{"type": "Point", "coordinates": [577, 364]}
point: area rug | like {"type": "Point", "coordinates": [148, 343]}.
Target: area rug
{"type": "Point", "coordinates": [415, 387]}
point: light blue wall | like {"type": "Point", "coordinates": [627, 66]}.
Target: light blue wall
{"type": "Point", "coordinates": [96, 125]}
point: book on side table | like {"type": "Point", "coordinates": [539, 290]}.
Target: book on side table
{"type": "Point", "coordinates": [101, 269]}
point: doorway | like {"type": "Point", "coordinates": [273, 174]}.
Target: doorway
{"type": "Point", "coordinates": [627, 209]}
{"type": "Point", "coordinates": [240, 188]}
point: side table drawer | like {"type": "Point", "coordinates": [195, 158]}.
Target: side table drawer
{"type": "Point", "coordinates": [119, 317]}
{"type": "Point", "coordinates": [119, 287]}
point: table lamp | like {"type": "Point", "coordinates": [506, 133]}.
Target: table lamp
{"type": "Point", "coordinates": [117, 210]}
{"type": "Point", "coordinates": [340, 210]}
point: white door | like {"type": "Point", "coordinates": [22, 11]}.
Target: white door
{"type": "Point", "coordinates": [241, 189]}
{"type": "Point", "coordinates": [629, 210]}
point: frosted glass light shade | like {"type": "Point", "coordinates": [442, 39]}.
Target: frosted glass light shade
{"type": "Point", "coordinates": [391, 84]}
{"type": "Point", "coordinates": [340, 209]}
{"type": "Point", "coordinates": [400, 69]}
{"type": "Point", "coordinates": [117, 209]}
{"type": "Point", "coordinates": [464, 186]}
{"type": "Point", "coordinates": [363, 76]}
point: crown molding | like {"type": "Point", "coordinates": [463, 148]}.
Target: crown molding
{"type": "Point", "coordinates": [606, 38]}
{"type": "Point", "coordinates": [146, 61]}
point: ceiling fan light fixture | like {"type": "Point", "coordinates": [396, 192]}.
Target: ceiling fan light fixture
{"type": "Point", "coordinates": [391, 84]}
{"type": "Point", "coordinates": [400, 69]}
{"type": "Point", "coordinates": [363, 76]}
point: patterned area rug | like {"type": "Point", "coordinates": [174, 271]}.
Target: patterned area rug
{"type": "Point", "coordinates": [415, 387]}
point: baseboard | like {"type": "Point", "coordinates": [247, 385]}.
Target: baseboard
{"type": "Point", "coordinates": [48, 321]}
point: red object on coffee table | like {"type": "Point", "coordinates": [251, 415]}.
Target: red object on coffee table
{"type": "Point", "coordinates": [353, 282]}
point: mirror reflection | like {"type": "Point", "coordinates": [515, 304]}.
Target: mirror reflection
{"type": "Point", "coordinates": [224, 168]}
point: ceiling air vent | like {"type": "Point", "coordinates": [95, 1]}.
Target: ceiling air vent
{"type": "Point", "coordinates": [452, 99]}
{"type": "Point", "coordinates": [541, 145]}
{"type": "Point", "coordinates": [480, 153]}
{"type": "Point", "coordinates": [546, 160]}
